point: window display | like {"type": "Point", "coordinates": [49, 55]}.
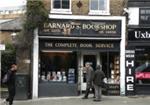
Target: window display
{"type": "Point", "coordinates": [143, 71]}
{"type": "Point", "coordinates": [111, 67]}
{"type": "Point", "coordinates": [115, 73]}
{"type": "Point", "coordinates": [58, 67]}
{"type": "Point", "coordinates": [71, 76]}
{"type": "Point", "coordinates": [54, 76]}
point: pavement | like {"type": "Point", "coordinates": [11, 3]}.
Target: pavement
{"type": "Point", "coordinates": [77, 100]}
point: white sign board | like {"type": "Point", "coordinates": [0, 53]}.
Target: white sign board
{"type": "Point", "coordinates": [2, 47]}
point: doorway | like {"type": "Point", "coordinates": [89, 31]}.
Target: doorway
{"type": "Point", "coordinates": [94, 59]}
{"type": "Point", "coordinates": [91, 59]}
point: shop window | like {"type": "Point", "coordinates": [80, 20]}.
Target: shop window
{"type": "Point", "coordinates": [111, 67]}
{"type": "Point", "coordinates": [99, 7]}
{"type": "Point", "coordinates": [58, 67]}
{"type": "Point", "coordinates": [144, 18]}
{"type": "Point", "coordinates": [142, 66]}
{"type": "Point", "coordinates": [61, 6]}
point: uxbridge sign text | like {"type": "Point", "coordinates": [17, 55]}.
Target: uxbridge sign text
{"type": "Point", "coordinates": [139, 34]}
{"type": "Point", "coordinates": [143, 35]}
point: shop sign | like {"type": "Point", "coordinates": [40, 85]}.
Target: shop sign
{"type": "Point", "coordinates": [81, 28]}
{"type": "Point", "coordinates": [130, 79]}
{"type": "Point", "coordinates": [144, 16]}
{"type": "Point", "coordinates": [2, 47]}
{"type": "Point", "coordinates": [139, 35]}
{"type": "Point", "coordinates": [78, 45]}
{"type": "Point", "coordinates": [113, 89]}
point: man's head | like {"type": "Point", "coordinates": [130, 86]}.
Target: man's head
{"type": "Point", "coordinates": [99, 67]}
{"type": "Point", "coordinates": [87, 64]}
{"type": "Point", "coordinates": [13, 67]}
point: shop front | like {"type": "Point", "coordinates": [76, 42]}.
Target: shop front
{"type": "Point", "coordinates": [66, 45]}
{"type": "Point", "coordinates": [139, 43]}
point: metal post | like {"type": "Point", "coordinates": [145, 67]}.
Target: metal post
{"type": "Point", "coordinates": [0, 64]}
{"type": "Point", "coordinates": [0, 57]}
{"type": "Point", "coordinates": [81, 81]}
{"type": "Point", "coordinates": [107, 64]}
{"type": "Point", "coordinates": [2, 47]}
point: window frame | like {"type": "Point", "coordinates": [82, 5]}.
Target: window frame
{"type": "Point", "coordinates": [142, 21]}
{"type": "Point", "coordinates": [100, 12]}
{"type": "Point", "coordinates": [61, 11]}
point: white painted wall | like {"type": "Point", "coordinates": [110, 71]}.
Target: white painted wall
{"type": "Point", "coordinates": [133, 16]}
{"type": "Point", "coordinates": [35, 65]}
{"type": "Point", "coordinates": [122, 57]}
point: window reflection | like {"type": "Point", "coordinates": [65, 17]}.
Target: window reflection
{"type": "Point", "coordinates": [98, 4]}
{"type": "Point", "coordinates": [142, 66]}
{"type": "Point", "coordinates": [61, 4]}
{"type": "Point", "coordinates": [58, 67]}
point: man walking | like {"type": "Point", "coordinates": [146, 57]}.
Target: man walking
{"type": "Point", "coordinates": [89, 75]}
{"type": "Point", "coordinates": [11, 83]}
{"type": "Point", "coordinates": [98, 82]}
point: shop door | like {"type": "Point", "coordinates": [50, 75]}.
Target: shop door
{"type": "Point", "coordinates": [93, 60]}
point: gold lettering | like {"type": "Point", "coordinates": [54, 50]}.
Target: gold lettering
{"type": "Point", "coordinates": [68, 26]}
{"type": "Point", "coordinates": [106, 28]}
{"type": "Point", "coordinates": [84, 26]}
{"type": "Point", "coordinates": [63, 26]}
{"type": "Point", "coordinates": [86, 45]}
{"type": "Point", "coordinates": [104, 45]}
{"type": "Point", "coordinates": [102, 27]}
{"type": "Point", "coordinates": [58, 25]}
{"type": "Point", "coordinates": [53, 25]}
{"type": "Point", "coordinates": [99, 26]}
{"type": "Point", "coordinates": [48, 44]}
{"type": "Point", "coordinates": [66, 45]}
{"type": "Point", "coordinates": [55, 30]}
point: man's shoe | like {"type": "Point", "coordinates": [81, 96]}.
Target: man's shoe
{"type": "Point", "coordinates": [5, 102]}
{"type": "Point", "coordinates": [84, 97]}
{"type": "Point", "coordinates": [94, 97]}
{"type": "Point", "coordinates": [96, 100]}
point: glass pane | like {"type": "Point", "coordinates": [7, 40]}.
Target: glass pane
{"type": "Point", "coordinates": [142, 65]}
{"type": "Point", "coordinates": [58, 67]}
{"type": "Point", "coordinates": [94, 4]}
{"type": "Point", "coordinates": [65, 4]}
{"type": "Point", "coordinates": [102, 4]}
{"type": "Point", "coordinates": [57, 4]}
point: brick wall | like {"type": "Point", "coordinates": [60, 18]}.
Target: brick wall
{"type": "Point", "coordinates": [10, 16]}
{"type": "Point", "coordinates": [83, 10]}
{"type": "Point", "coordinates": [116, 7]}
{"type": "Point", "coordinates": [5, 37]}
{"type": "Point", "coordinates": [47, 4]}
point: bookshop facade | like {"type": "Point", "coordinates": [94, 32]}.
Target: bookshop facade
{"type": "Point", "coordinates": [65, 45]}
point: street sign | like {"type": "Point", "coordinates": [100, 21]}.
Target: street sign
{"type": "Point", "coordinates": [2, 46]}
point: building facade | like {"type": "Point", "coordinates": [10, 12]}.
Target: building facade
{"type": "Point", "coordinates": [138, 47]}
{"type": "Point", "coordinates": [79, 31]}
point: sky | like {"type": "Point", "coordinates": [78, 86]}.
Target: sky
{"type": "Point", "coordinates": [11, 3]}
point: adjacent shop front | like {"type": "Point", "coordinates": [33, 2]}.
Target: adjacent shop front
{"type": "Point", "coordinates": [65, 45]}
{"type": "Point", "coordinates": [139, 45]}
